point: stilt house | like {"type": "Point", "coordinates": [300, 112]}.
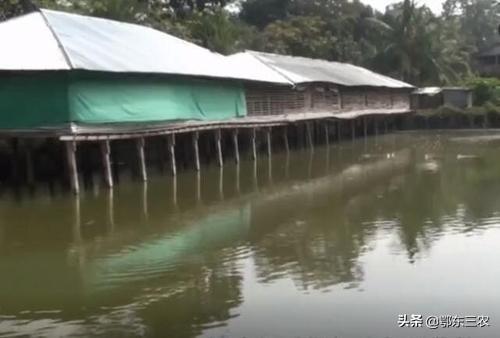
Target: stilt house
{"type": "Point", "coordinates": [321, 87]}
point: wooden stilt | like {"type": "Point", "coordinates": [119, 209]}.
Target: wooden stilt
{"type": "Point", "coordinates": [238, 188]}
{"type": "Point", "coordinates": [77, 220]}
{"type": "Point", "coordinates": [254, 145]}
{"type": "Point", "coordinates": [145, 209]}
{"type": "Point", "coordinates": [285, 139]}
{"type": "Point", "coordinates": [111, 210]}
{"type": "Point", "coordinates": [270, 169]}
{"type": "Point", "coordinates": [221, 183]}
{"type": "Point", "coordinates": [353, 129]}
{"type": "Point", "coordinates": [255, 177]}
{"type": "Point", "coordinates": [140, 143]}
{"type": "Point", "coordinates": [30, 172]}
{"type": "Point", "coordinates": [327, 134]}
{"type": "Point", "coordinates": [376, 126]}
{"type": "Point", "coordinates": [220, 160]}
{"type": "Point", "coordinates": [174, 191]}
{"type": "Point", "coordinates": [268, 141]}
{"type": "Point", "coordinates": [309, 136]}
{"type": "Point", "coordinates": [310, 166]}
{"type": "Point", "coordinates": [72, 166]}
{"type": "Point", "coordinates": [196, 137]}
{"type": "Point", "coordinates": [105, 154]}
{"type": "Point", "coordinates": [365, 127]}
{"type": "Point", "coordinates": [339, 131]}
{"type": "Point", "coordinates": [386, 127]}
{"type": "Point", "coordinates": [198, 187]}
{"type": "Point", "coordinates": [287, 166]}
{"type": "Point", "coordinates": [14, 144]}
{"type": "Point", "coordinates": [171, 151]}
{"type": "Point", "coordinates": [236, 147]}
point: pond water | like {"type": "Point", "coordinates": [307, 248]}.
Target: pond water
{"type": "Point", "coordinates": [340, 242]}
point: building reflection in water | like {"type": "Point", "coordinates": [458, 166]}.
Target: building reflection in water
{"type": "Point", "coordinates": [175, 269]}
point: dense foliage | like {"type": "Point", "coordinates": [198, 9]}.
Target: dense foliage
{"type": "Point", "coordinates": [407, 41]}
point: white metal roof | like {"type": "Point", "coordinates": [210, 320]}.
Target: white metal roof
{"type": "Point", "coordinates": [52, 40]}
{"type": "Point", "coordinates": [26, 43]}
{"type": "Point", "coordinates": [257, 67]}
{"type": "Point", "coordinates": [303, 70]}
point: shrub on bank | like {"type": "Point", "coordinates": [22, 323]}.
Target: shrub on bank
{"type": "Point", "coordinates": [486, 115]}
{"type": "Point", "coordinates": [484, 90]}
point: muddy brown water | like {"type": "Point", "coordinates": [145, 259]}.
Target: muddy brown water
{"type": "Point", "coordinates": [338, 242]}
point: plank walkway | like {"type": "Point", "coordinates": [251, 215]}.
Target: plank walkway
{"type": "Point", "coordinates": [127, 131]}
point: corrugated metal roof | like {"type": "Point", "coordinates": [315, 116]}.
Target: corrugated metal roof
{"type": "Point", "coordinates": [28, 44]}
{"type": "Point", "coordinates": [52, 40]}
{"type": "Point", "coordinates": [257, 67]}
{"type": "Point", "coordinates": [303, 70]}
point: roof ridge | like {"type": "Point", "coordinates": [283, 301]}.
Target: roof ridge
{"type": "Point", "coordinates": [276, 61]}
{"type": "Point", "coordinates": [59, 43]}
{"type": "Point", "coordinates": [252, 53]}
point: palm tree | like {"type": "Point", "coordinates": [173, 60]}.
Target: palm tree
{"type": "Point", "coordinates": [422, 49]}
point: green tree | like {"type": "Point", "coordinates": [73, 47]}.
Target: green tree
{"type": "Point", "coordinates": [215, 30]}
{"type": "Point", "coordinates": [301, 36]}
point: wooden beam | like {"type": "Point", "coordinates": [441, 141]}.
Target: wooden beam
{"type": "Point", "coordinates": [254, 145]}
{"type": "Point", "coordinates": [105, 155]}
{"type": "Point", "coordinates": [236, 147]}
{"type": "Point", "coordinates": [171, 151]}
{"type": "Point", "coordinates": [220, 160]}
{"type": "Point", "coordinates": [196, 137]}
{"type": "Point", "coordinates": [140, 143]}
{"type": "Point", "coordinates": [72, 166]}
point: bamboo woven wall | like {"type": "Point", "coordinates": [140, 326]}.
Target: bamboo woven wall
{"type": "Point", "coordinates": [324, 98]}
{"type": "Point", "coordinates": [274, 100]}
{"type": "Point", "coordinates": [379, 99]}
{"type": "Point", "coordinates": [401, 99]}
{"type": "Point", "coordinates": [267, 100]}
{"type": "Point", "coordinates": [353, 99]}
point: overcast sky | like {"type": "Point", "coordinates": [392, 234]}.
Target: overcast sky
{"type": "Point", "coordinates": [435, 5]}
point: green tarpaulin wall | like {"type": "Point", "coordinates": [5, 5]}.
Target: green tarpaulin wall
{"type": "Point", "coordinates": [53, 99]}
